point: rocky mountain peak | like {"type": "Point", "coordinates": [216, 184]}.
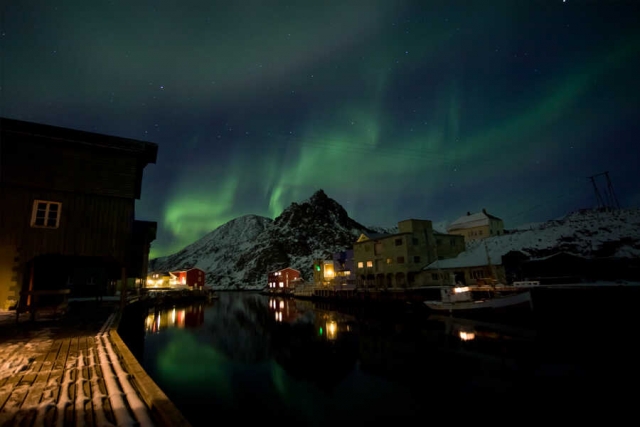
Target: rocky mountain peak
{"type": "Point", "coordinates": [319, 211]}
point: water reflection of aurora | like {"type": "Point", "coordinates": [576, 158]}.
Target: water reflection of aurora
{"type": "Point", "coordinates": [187, 363]}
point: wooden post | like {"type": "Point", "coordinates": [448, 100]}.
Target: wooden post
{"type": "Point", "coordinates": [31, 274]}
{"type": "Point", "coordinates": [123, 289]}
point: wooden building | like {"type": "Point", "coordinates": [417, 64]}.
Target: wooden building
{"type": "Point", "coordinates": [335, 272]}
{"type": "Point", "coordinates": [192, 277]}
{"type": "Point", "coordinates": [67, 209]}
{"type": "Point", "coordinates": [283, 280]}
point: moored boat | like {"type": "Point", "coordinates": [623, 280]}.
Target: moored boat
{"type": "Point", "coordinates": [460, 299]}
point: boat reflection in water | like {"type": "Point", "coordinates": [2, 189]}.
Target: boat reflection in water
{"type": "Point", "coordinates": [189, 317]}
{"type": "Point", "coordinates": [470, 329]}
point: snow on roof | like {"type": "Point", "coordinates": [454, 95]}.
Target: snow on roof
{"type": "Point", "coordinates": [472, 220]}
{"type": "Point", "coordinates": [586, 231]}
{"type": "Point", "coordinates": [186, 269]}
{"type": "Point", "coordinates": [162, 273]}
{"type": "Point", "coordinates": [285, 268]}
{"type": "Point", "coordinates": [468, 221]}
{"type": "Point", "coordinates": [376, 236]}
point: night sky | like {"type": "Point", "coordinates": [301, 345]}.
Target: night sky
{"type": "Point", "coordinates": [396, 109]}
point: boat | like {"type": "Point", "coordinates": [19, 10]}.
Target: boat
{"type": "Point", "coordinates": [460, 299]}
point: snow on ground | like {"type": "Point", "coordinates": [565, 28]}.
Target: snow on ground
{"type": "Point", "coordinates": [95, 373]}
{"type": "Point", "coordinates": [579, 233]}
{"type": "Point", "coordinates": [17, 355]}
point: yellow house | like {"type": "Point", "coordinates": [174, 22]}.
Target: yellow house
{"type": "Point", "coordinates": [393, 261]}
{"type": "Point", "coordinates": [477, 226]}
{"type": "Point", "coordinates": [163, 280]}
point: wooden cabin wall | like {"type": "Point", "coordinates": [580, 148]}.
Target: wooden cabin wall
{"type": "Point", "coordinates": [90, 225]}
{"type": "Point", "coordinates": [37, 163]}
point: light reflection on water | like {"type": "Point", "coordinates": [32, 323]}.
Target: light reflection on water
{"type": "Point", "coordinates": [260, 359]}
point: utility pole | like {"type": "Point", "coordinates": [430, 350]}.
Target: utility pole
{"type": "Point", "coordinates": [610, 196]}
{"type": "Point", "coordinates": [595, 189]}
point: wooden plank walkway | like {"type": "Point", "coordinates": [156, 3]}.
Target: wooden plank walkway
{"type": "Point", "coordinates": [53, 376]}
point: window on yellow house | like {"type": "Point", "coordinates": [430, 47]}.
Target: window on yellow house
{"type": "Point", "coordinates": [360, 264]}
{"type": "Point", "coordinates": [369, 263]}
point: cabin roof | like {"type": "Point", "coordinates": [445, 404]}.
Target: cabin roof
{"type": "Point", "coordinates": [146, 151]}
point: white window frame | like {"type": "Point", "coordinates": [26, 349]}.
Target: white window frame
{"type": "Point", "coordinates": [34, 213]}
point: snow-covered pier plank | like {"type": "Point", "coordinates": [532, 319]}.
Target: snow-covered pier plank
{"type": "Point", "coordinates": [61, 377]}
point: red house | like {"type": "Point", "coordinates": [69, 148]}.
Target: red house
{"type": "Point", "coordinates": [193, 277]}
{"type": "Point", "coordinates": [281, 279]}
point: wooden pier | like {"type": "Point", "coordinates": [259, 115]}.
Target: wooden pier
{"type": "Point", "coordinates": [55, 374]}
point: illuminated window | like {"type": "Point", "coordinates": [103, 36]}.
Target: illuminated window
{"type": "Point", "coordinates": [360, 264]}
{"type": "Point", "coordinates": [389, 261]}
{"type": "Point", "coordinates": [328, 271]}
{"type": "Point", "coordinates": [369, 263]}
{"type": "Point", "coordinates": [45, 214]}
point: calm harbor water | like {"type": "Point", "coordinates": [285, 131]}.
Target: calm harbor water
{"type": "Point", "coordinates": [251, 358]}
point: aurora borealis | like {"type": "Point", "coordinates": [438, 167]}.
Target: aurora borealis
{"type": "Point", "coordinates": [396, 109]}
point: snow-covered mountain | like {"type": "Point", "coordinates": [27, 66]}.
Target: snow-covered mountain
{"type": "Point", "coordinates": [239, 253]}
{"type": "Point", "coordinates": [591, 233]}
